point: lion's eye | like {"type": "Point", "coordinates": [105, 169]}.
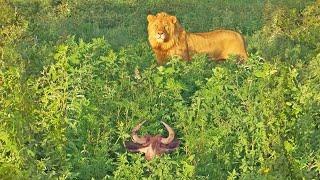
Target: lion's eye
{"type": "Point", "coordinates": [166, 27]}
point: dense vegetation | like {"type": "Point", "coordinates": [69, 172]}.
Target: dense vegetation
{"type": "Point", "coordinates": [76, 76]}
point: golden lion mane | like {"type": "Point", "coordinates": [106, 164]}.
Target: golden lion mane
{"type": "Point", "coordinates": [167, 38]}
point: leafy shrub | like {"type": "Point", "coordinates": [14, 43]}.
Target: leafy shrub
{"type": "Point", "coordinates": [290, 35]}
{"type": "Point", "coordinates": [240, 119]}
{"type": "Point", "coordinates": [11, 93]}
{"type": "Point", "coordinates": [258, 120]}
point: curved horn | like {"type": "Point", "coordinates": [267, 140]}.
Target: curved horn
{"type": "Point", "coordinates": [135, 137]}
{"type": "Point", "coordinates": [170, 137]}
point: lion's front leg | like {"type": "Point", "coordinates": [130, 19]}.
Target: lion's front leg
{"type": "Point", "coordinates": [185, 56]}
{"type": "Point", "coordinates": [161, 57]}
{"type": "Point", "coordinates": [182, 53]}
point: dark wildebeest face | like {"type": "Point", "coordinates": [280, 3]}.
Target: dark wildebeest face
{"type": "Point", "coordinates": [152, 145]}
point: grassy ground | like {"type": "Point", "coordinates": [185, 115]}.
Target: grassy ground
{"type": "Point", "coordinates": [77, 75]}
{"type": "Point", "coordinates": [124, 22]}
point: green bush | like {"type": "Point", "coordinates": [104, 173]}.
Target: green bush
{"type": "Point", "coordinates": [289, 34]}
{"type": "Point", "coordinates": [67, 105]}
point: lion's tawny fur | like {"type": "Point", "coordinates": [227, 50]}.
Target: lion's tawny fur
{"type": "Point", "coordinates": [167, 38]}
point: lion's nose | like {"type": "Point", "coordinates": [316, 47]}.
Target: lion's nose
{"type": "Point", "coordinates": [160, 33]}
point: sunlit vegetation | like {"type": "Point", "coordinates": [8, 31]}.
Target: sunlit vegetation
{"type": "Point", "coordinates": [76, 76]}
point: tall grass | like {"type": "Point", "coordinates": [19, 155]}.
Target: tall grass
{"type": "Point", "coordinates": [77, 76]}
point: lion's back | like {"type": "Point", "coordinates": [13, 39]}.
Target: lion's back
{"type": "Point", "coordinates": [218, 44]}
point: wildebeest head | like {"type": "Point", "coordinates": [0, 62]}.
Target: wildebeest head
{"type": "Point", "coordinates": [152, 145]}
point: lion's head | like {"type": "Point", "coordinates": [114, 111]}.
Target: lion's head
{"type": "Point", "coordinates": [163, 30]}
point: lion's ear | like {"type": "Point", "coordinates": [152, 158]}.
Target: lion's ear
{"type": "Point", "coordinates": [151, 18]}
{"type": "Point", "coordinates": [173, 19]}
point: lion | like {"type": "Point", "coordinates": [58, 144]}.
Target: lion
{"type": "Point", "coordinates": [168, 38]}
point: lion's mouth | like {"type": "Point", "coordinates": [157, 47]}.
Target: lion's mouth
{"type": "Point", "coordinates": [160, 37]}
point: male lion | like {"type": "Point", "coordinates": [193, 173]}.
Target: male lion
{"type": "Point", "coordinates": [167, 38]}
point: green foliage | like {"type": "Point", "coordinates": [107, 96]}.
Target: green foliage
{"type": "Point", "coordinates": [289, 34]}
{"type": "Point", "coordinates": [68, 104]}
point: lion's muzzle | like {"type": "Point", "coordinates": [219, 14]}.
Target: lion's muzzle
{"type": "Point", "coordinates": [160, 36]}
